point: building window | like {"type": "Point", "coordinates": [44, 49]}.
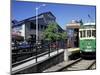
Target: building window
{"type": "Point", "coordinates": [42, 27]}
{"type": "Point", "coordinates": [94, 33]}
{"type": "Point", "coordinates": [84, 33]}
{"type": "Point", "coordinates": [88, 33]}
{"type": "Point", "coordinates": [45, 27]}
{"type": "Point", "coordinates": [32, 26]}
{"type": "Point", "coordinates": [70, 32]}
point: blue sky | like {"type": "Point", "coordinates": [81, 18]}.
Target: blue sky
{"type": "Point", "coordinates": [64, 13]}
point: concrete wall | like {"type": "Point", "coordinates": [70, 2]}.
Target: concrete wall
{"type": "Point", "coordinates": [42, 65]}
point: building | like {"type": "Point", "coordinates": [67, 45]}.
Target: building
{"type": "Point", "coordinates": [27, 27]}
{"type": "Point", "coordinates": [73, 33]}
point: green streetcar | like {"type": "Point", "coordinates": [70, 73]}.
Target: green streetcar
{"type": "Point", "coordinates": [87, 37]}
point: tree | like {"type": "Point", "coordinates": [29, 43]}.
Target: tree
{"type": "Point", "coordinates": [63, 35]}
{"type": "Point", "coordinates": [51, 33]}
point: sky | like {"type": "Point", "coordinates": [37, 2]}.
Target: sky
{"type": "Point", "coordinates": [64, 13]}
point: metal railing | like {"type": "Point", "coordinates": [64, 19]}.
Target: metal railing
{"type": "Point", "coordinates": [30, 51]}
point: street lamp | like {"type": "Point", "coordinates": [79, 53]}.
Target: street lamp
{"type": "Point", "coordinates": [37, 9]}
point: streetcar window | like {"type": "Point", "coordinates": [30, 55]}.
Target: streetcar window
{"type": "Point", "coordinates": [94, 33]}
{"type": "Point", "coordinates": [88, 33]}
{"type": "Point", "coordinates": [80, 33]}
{"type": "Point", "coordinates": [83, 33]}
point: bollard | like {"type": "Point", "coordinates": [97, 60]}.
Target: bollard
{"type": "Point", "coordinates": [66, 55]}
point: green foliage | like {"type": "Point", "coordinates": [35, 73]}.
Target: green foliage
{"type": "Point", "coordinates": [63, 35]}
{"type": "Point", "coordinates": [51, 33]}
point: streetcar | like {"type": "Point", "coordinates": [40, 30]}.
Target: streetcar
{"type": "Point", "coordinates": [87, 40]}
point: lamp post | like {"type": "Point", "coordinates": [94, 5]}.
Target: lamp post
{"type": "Point", "coordinates": [37, 27]}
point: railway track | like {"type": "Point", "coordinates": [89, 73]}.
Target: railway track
{"type": "Point", "coordinates": [93, 66]}
{"type": "Point", "coordinates": [80, 65]}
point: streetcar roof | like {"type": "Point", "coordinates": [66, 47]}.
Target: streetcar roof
{"type": "Point", "coordinates": [89, 23]}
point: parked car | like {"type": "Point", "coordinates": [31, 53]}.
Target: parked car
{"type": "Point", "coordinates": [23, 45]}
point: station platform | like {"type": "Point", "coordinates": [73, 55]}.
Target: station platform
{"type": "Point", "coordinates": [60, 66]}
{"type": "Point", "coordinates": [33, 61]}
{"type": "Point", "coordinates": [70, 52]}
{"type": "Point", "coordinates": [73, 56]}
{"type": "Point", "coordinates": [73, 50]}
